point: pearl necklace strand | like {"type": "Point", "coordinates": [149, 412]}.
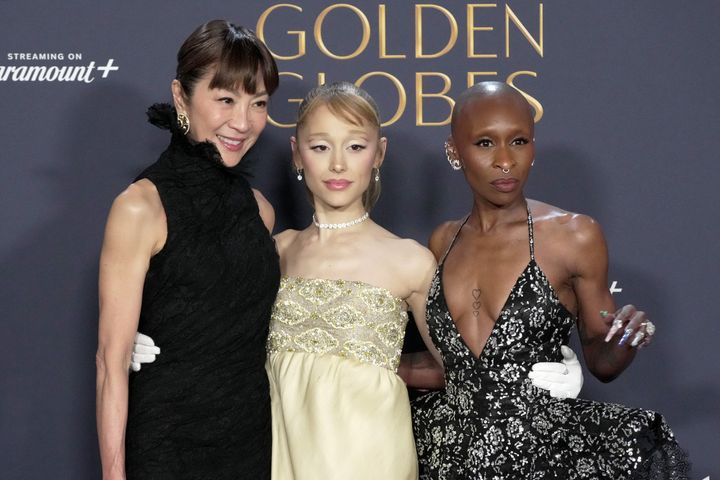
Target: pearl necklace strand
{"type": "Point", "coordinates": [335, 226]}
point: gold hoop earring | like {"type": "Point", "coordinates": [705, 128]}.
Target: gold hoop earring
{"type": "Point", "coordinates": [454, 162]}
{"type": "Point", "coordinates": [183, 123]}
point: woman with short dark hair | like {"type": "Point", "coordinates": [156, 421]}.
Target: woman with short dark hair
{"type": "Point", "coordinates": [188, 258]}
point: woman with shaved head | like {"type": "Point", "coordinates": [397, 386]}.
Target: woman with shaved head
{"type": "Point", "coordinates": [514, 275]}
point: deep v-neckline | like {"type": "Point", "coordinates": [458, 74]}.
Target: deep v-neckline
{"type": "Point", "coordinates": [528, 266]}
{"type": "Point", "coordinates": [439, 273]}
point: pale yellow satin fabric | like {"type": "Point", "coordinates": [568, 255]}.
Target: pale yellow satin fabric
{"type": "Point", "coordinates": [336, 418]}
{"type": "Point", "coordinates": [339, 411]}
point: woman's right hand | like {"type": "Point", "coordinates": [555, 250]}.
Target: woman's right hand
{"type": "Point", "coordinates": [144, 351]}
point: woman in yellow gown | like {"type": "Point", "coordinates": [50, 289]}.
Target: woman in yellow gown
{"type": "Point", "coordinates": [339, 409]}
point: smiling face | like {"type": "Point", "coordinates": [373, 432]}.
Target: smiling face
{"type": "Point", "coordinates": [493, 138]}
{"type": "Point", "coordinates": [230, 119]}
{"type": "Point", "coordinates": [338, 158]}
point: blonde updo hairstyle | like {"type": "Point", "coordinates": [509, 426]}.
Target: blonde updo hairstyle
{"type": "Point", "coordinates": [354, 105]}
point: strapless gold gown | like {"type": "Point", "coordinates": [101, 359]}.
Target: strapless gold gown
{"type": "Point", "coordinates": [339, 411]}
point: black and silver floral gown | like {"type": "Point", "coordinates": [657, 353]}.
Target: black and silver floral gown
{"type": "Point", "coordinates": [491, 423]}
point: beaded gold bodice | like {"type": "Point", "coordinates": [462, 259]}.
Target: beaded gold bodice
{"type": "Point", "coordinates": [350, 319]}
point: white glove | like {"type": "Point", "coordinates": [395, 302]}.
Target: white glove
{"type": "Point", "coordinates": [564, 380]}
{"type": "Point", "coordinates": [144, 351]}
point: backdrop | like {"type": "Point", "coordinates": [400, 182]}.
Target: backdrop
{"type": "Point", "coordinates": [627, 92]}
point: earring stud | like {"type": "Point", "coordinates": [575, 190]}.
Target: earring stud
{"type": "Point", "coordinates": [454, 162]}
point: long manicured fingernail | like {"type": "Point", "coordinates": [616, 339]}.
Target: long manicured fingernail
{"type": "Point", "coordinates": [625, 336]}
{"type": "Point", "coordinates": [611, 333]}
{"type": "Point", "coordinates": [637, 338]}
{"type": "Point", "coordinates": [614, 328]}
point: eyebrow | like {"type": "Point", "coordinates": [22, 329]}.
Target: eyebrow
{"type": "Point", "coordinates": [325, 134]}
{"type": "Point", "coordinates": [235, 92]}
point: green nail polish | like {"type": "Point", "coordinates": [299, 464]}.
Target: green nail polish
{"type": "Point", "coordinates": [603, 313]}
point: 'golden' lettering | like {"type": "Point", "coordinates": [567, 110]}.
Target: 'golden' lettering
{"type": "Point", "coordinates": [260, 29]}
{"type": "Point", "coordinates": [382, 35]}
{"type": "Point", "coordinates": [510, 15]}
{"type": "Point", "coordinates": [471, 29]}
{"type": "Point", "coordinates": [365, 36]}
{"type": "Point", "coordinates": [419, 29]}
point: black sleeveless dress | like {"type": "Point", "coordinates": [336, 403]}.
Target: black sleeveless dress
{"type": "Point", "coordinates": [491, 423]}
{"type": "Point", "coordinates": [202, 410]}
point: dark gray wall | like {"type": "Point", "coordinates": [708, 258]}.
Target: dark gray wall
{"type": "Point", "coordinates": [628, 134]}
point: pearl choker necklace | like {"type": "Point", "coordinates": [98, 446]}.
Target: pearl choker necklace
{"type": "Point", "coordinates": [335, 226]}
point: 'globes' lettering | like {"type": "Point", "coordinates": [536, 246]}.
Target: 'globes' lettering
{"type": "Point", "coordinates": [422, 94]}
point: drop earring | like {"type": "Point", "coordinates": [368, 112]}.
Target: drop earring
{"type": "Point", "coordinates": [183, 122]}
{"type": "Point", "coordinates": [377, 175]}
{"type": "Point", "coordinates": [299, 174]}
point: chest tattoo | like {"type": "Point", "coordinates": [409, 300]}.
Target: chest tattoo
{"type": "Point", "coordinates": [476, 302]}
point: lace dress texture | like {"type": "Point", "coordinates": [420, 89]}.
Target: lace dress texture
{"type": "Point", "coordinates": [339, 409]}
{"type": "Point", "coordinates": [202, 410]}
{"type": "Point", "coordinates": [491, 423]}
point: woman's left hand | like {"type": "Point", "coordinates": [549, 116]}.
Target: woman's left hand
{"type": "Point", "coordinates": [631, 325]}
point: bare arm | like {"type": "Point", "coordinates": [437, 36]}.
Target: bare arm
{"type": "Point", "coordinates": [606, 360]}
{"type": "Point", "coordinates": [131, 237]}
{"type": "Point", "coordinates": [267, 213]}
{"type": "Point", "coordinates": [423, 369]}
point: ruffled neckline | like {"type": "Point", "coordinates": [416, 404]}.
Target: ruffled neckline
{"type": "Point", "coordinates": [164, 116]}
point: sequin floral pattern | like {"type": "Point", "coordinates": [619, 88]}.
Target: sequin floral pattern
{"type": "Point", "coordinates": [338, 317]}
{"type": "Point", "coordinates": [491, 423]}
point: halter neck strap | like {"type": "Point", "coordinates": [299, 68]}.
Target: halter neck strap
{"type": "Point", "coordinates": [442, 260]}
{"type": "Point", "coordinates": [531, 235]}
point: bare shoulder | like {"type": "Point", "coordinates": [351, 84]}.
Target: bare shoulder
{"type": "Point", "coordinates": [441, 237]}
{"type": "Point", "coordinates": [267, 213]}
{"type": "Point", "coordinates": [412, 261]}
{"type": "Point", "coordinates": [407, 252]}
{"type": "Point", "coordinates": [413, 254]}
{"type": "Point", "coordinates": [136, 222]}
{"type": "Point", "coordinates": [569, 228]}
{"type": "Point", "coordinates": [285, 239]}
{"type": "Point", "coordinates": [140, 202]}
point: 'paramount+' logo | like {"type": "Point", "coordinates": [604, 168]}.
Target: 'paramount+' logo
{"type": "Point", "coordinates": [54, 67]}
